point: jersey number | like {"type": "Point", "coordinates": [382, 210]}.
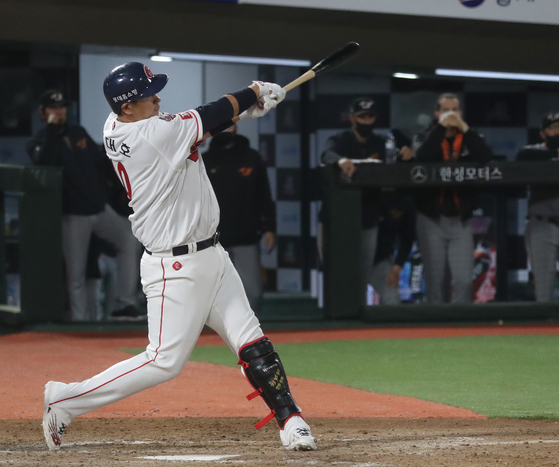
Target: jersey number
{"type": "Point", "coordinates": [121, 172]}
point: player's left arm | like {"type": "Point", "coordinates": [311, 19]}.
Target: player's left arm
{"type": "Point", "coordinates": [254, 101]}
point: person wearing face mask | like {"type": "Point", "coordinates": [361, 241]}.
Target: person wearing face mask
{"type": "Point", "coordinates": [360, 142]}
{"type": "Point", "coordinates": [542, 228]}
{"type": "Point", "coordinates": [85, 208]}
{"type": "Point", "coordinates": [248, 214]}
{"type": "Point", "coordinates": [444, 233]}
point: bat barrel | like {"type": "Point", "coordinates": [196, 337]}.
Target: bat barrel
{"type": "Point", "coordinates": [336, 58]}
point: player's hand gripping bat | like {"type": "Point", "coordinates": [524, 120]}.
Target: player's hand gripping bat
{"type": "Point", "coordinates": [333, 60]}
{"type": "Point", "coordinates": [330, 62]}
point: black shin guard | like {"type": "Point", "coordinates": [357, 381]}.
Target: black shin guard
{"type": "Point", "coordinates": [264, 371]}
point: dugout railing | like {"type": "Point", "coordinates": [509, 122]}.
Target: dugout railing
{"type": "Point", "coordinates": [342, 235]}
{"type": "Point", "coordinates": [31, 245]}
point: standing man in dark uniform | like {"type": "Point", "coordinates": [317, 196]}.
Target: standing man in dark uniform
{"type": "Point", "coordinates": [240, 181]}
{"type": "Point", "coordinates": [542, 229]}
{"type": "Point", "coordinates": [359, 142]}
{"type": "Point", "coordinates": [84, 207]}
{"type": "Point", "coordinates": [444, 233]}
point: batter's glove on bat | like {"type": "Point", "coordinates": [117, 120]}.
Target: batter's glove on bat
{"type": "Point", "coordinates": [275, 91]}
{"type": "Point", "coordinates": [261, 108]}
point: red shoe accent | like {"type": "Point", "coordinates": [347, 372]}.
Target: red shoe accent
{"type": "Point", "coordinates": [265, 420]}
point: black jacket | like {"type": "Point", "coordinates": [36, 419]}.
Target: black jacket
{"type": "Point", "coordinates": [428, 200]}
{"type": "Point", "coordinates": [537, 153]}
{"type": "Point", "coordinates": [345, 144]}
{"type": "Point", "coordinates": [83, 166]}
{"type": "Point", "coordinates": [240, 181]}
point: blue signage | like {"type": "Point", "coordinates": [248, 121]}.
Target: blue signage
{"type": "Point", "coordinates": [471, 3]}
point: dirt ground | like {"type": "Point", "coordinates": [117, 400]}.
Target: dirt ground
{"type": "Point", "coordinates": [203, 418]}
{"type": "Point", "coordinates": [342, 442]}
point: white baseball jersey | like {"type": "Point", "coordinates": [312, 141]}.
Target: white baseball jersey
{"type": "Point", "coordinates": [158, 163]}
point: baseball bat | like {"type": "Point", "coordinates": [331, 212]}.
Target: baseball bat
{"type": "Point", "coordinates": [328, 63]}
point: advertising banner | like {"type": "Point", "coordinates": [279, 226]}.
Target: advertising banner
{"type": "Point", "coordinates": [518, 11]}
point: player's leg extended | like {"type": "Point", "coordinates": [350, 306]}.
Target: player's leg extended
{"type": "Point", "coordinates": [232, 318]}
{"type": "Point", "coordinates": [179, 291]}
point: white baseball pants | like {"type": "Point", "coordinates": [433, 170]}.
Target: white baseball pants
{"type": "Point", "coordinates": [183, 294]}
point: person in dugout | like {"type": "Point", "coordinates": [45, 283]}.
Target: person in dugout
{"type": "Point", "coordinates": [247, 212]}
{"type": "Point", "coordinates": [444, 233]}
{"type": "Point", "coordinates": [361, 142]}
{"type": "Point", "coordinates": [542, 228]}
{"type": "Point", "coordinates": [85, 208]}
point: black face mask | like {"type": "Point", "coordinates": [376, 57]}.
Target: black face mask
{"type": "Point", "coordinates": [552, 142]}
{"type": "Point", "coordinates": [364, 129]}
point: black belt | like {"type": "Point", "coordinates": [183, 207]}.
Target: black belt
{"type": "Point", "coordinates": [185, 249]}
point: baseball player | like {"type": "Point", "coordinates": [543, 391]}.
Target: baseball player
{"type": "Point", "coordinates": [187, 276]}
{"type": "Point", "coordinates": [542, 228]}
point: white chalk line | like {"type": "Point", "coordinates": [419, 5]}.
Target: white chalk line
{"type": "Point", "coordinates": [191, 457]}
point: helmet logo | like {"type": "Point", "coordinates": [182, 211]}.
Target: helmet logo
{"type": "Point", "coordinates": [148, 72]}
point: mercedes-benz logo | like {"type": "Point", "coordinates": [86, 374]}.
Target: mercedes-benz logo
{"type": "Point", "coordinates": [419, 174]}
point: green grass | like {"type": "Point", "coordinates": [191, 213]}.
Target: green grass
{"type": "Point", "coordinates": [498, 376]}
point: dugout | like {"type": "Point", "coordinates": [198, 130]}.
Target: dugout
{"type": "Point", "coordinates": [51, 37]}
{"type": "Point", "coordinates": [501, 182]}
{"type": "Point", "coordinates": [31, 283]}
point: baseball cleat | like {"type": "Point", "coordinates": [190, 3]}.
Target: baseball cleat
{"type": "Point", "coordinates": [53, 426]}
{"type": "Point", "coordinates": [296, 435]}
{"type": "Point", "coordinates": [129, 313]}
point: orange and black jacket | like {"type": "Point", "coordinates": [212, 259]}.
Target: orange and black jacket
{"type": "Point", "coordinates": [454, 200]}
